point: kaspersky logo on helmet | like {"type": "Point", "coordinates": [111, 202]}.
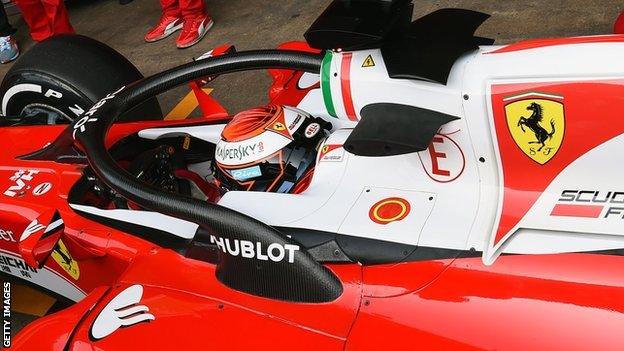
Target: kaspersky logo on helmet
{"type": "Point", "coordinates": [240, 152]}
{"type": "Point", "coordinates": [254, 149]}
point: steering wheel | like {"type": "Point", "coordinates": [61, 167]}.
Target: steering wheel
{"type": "Point", "coordinates": [296, 276]}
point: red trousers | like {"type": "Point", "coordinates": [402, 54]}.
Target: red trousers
{"type": "Point", "coordinates": [619, 24]}
{"type": "Point", "coordinates": [183, 8]}
{"type": "Point", "coordinates": [45, 18]}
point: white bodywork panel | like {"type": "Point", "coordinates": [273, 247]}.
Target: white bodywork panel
{"type": "Point", "coordinates": [154, 220]}
{"type": "Point", "coordinates": [454, 198]}
{"type": "Point", "coordinates": [42, 276]}
{"type": "Point", "coordinates": [209, 133]}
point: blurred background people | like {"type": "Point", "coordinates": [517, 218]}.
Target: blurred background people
{"type": "Point", "coordinates": [190, 16]}
{"type": "Point", "coordinates": [8, 47]}
{"type": "Point", "coordinates": [618, 28]}
{"type": "Point", "coordinates": [45, 18]}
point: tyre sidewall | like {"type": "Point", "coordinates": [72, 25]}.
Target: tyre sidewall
{"type": "Point", "coordinates": [25, 88]}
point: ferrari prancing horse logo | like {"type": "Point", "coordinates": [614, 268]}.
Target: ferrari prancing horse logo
{"type": "Point", "coordinates": [62, 256]}
{"type": "Point", "coordinates": [279, 126]}
{"type": "Point", "coordinates": [536, 123]}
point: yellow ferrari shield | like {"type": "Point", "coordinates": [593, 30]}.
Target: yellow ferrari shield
{"type": "Point", "coordinates": [537, 126]}
{"type": "Point", "coordinates": [63, 258]}
{"type": "Point", "coordinates": [279, 126]}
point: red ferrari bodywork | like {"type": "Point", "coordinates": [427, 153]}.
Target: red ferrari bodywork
{"type": "Point", "coordinates": [155, 298]}
{"type": "Point", "coordinates": [522, 302]}
{"type": "Point", "coordinates": [564, 301]}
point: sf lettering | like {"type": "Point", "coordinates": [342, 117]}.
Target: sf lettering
{"type": "Point", "coordinates": [545, 151]}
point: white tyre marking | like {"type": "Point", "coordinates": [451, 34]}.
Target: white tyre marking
{"type": "Point", "coordinates": [53, 93]}
{"type": "Point", "coordinates": [16, 90]}
{"type": "Point", "coordinates": [77, 110]}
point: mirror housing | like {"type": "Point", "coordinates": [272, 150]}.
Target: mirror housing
{"type": "Point", "coordinates": [40, 238]}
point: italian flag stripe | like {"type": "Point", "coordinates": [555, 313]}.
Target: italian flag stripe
{"type": "Point", "coordinates": [345, 85]}
{"type": "Point", "coordinates": [325, 86]}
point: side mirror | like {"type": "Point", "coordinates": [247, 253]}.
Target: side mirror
{"type": "Point", "coordinates": [40, 237]}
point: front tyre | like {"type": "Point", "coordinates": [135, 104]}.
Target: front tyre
{"type": "Point", "coordinates": [62, 77]}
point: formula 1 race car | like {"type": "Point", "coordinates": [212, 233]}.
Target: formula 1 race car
{"type": "Point", "coordinates": [409, 185]}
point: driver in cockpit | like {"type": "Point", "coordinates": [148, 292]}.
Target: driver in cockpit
{"type": "Point", "coordinates": [270, 148]}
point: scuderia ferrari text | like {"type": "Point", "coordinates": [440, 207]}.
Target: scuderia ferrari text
{"type": "Point", "coordinates": [592, 203]}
